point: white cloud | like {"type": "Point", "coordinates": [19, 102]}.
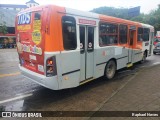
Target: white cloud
{"type": "Point", "coordinates": [86, 5]}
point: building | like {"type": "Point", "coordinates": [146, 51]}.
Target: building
{"type": "Point", "coordinates": [7, 18]}
{"type": "Point", "coordinates": [28, 4]}
{"type": "Point", "coordinates": [31, 3]}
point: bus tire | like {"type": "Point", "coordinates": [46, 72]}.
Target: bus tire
{"type": "Point", "coordinates": [110, 69]}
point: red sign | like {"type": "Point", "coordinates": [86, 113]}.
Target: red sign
{"type": "Point", "coordinates": [89, 22]}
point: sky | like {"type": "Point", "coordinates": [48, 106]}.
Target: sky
{"type": "Point", "coordinates": [87, 5]}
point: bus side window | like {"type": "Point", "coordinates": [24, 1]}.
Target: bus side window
{"type": "Point", "coordinates": [69, 33]}
{"type": "Point", "coordinates": [131, 37]}
{"type": "Point", "coordinates": [123, 34]}
{"type": "Point", "coordinates": [108, 34]}
{"type": "Point", "coordinates": [146, 34]}
{"type": "Point", "coordinates": [90, 38]}
{"type": "Point", "coordinates": [140, 34]}
{"type": "Point", "coordinates": [82, 38]}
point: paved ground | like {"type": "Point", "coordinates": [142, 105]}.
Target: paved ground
{"type": "Point", "coordinates": [8, 55]}
{"type": "Point", "coordinates": [141, 93]}
{"type": "Point", "coordinates": [135, 89]}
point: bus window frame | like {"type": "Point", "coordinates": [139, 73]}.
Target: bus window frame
{"type": "Point", "coordinates": [39, 12]}
{"type": "Point", "coordinates": [75, 32]}
{"type": "Point", "coordinates": [104, 22]}
{"type": "Point", "coordinates": [148, 34]}
{"type": "Point", "coordinates": [127, 30]}
{"type": "Point", "coordinates": [143, 33]}
{"type": "Point", "coordinates": [82, 50]}
{"type": "Point", "coordinates": [90, 49]}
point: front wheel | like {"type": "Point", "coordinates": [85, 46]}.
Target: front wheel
{"type": "Point", "coordinates": [144, 57]}
{"type": "Point", "coordinates": [110, 69]}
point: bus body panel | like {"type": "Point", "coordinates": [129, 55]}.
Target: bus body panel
{"type": "Point", "coordinates": [31, 39]}
{"type": "Point", "coordinates": [86, 59]}
{"type": "Point", "coordinates": [70, 67]}
{"type": "Point", "coordinates": [148, 45]}
{"type": "Point", "coordinates": [48, 82]}
{"type": "Point", "coordinates": [84, 63]}
{"type": "Point", "coordinates": [33, 61]}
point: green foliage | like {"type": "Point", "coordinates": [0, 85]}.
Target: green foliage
{"type": "Point", "coordinates": [139, 18]}
{"type": "Point", "coordinates": [153, 18]}
{"type": "Point", "coordinates": [111, 11]}
{"type": "Point", "coordinates": [3, 27]}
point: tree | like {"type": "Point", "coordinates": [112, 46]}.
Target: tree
{"type": "Point", "coordinates": [140, 18]}
{"type": "Point", "coordinates": [111, 11]}
{"type": "Point", "coordinates": [3, 27]}
{"type": "Point", "coordinates": [153, 18]}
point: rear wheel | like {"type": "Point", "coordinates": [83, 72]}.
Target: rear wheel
{"type": "Point", "coordinates": [110, 69]}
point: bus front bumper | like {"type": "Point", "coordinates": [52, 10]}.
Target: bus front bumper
{"type": "Point", "coordinates": [48, 82]}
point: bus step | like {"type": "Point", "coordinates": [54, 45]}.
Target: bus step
{"type": "Point", "coordinates": [129, 65]}
{"type": "Point", "coordinates": [86, 81]}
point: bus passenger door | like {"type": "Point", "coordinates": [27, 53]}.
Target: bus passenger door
{"type": "Point", "coordinates": [132, 35]}
{"type": "Point", "coordinates": [151, 43]}
{"type": "Point", "coordinates": [87, 52]}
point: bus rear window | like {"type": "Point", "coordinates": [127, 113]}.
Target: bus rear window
{"type": "Point", "coordinates": [37, 16]}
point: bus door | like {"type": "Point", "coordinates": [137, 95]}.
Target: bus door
{"type": "Point", "coordinates": [151, 42]}
{"type": "Point", "coordinates": [132, 38]}
{"type": "Point", "coordinates": [87, 52]}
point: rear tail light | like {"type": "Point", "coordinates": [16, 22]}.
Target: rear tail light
{"type": "Point", "coordinates": [51, 69]}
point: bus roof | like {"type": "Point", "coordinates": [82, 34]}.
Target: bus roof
{"type": "Point", "coordinates": [86, 14]}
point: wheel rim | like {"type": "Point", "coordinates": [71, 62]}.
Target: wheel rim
{"type": "Point", "coordinates": [110, 71]}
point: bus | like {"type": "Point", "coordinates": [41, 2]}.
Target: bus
{"type": "Point", "coordinates": [63, 48]}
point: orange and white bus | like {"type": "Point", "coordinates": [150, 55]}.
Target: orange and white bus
{"type": "Point", "coordinates": [62, 48]}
